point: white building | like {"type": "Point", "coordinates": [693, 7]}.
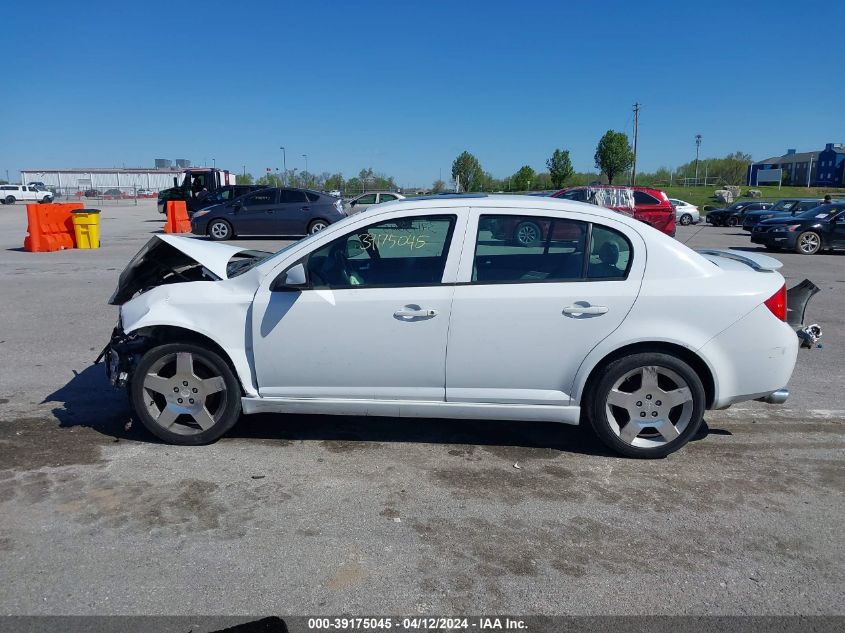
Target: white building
{"type": "Point", "coordinates": [103, 178]}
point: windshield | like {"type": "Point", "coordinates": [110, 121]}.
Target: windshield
{"type": "Point", "coordinates": [783, 205]}
{"type": "Point", "coordinates": [819, 211]}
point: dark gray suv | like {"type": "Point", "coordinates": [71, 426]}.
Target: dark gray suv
{"type": "Point", "coordinates": [272, 211]}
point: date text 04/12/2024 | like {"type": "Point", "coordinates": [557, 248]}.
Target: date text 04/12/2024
{"type": "Point", "coordinates": [416, 624]}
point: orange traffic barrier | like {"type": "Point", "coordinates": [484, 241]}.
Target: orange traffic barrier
{"type": "Point", "coordinates": [50, 227]}
{"type": "Point", "coordinates": [177, 217]}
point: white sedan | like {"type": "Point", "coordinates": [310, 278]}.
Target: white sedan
{"type": "Point", "coordinates": [434, 308]}
{"type": "Point", "coordinates": [685, 213]}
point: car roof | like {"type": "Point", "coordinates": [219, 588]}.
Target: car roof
{"type": "Point", "coordinates": [495, 201]}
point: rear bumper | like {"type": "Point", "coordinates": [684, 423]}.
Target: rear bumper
{"type": "Point", "coordinates": [754, 358]}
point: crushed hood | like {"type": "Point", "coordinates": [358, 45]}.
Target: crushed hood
{"type": "Point", "coordinates": [169, 259]}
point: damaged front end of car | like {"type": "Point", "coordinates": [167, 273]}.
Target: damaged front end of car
{"type": "Point", "coordinates": [164, 261]}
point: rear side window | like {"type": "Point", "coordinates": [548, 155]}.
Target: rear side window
{"type": "Point", "coordinates": [578, 195]}
{"type": "Point", "coordinates": [641, 197]}
{"type": "Point", "coordinates": [292, 196]}
{"type": "Point", "coordinates": [610, 254]}
{"type": "Point", "coordinates": [386, 197]}
{"type": "Point", "coordinates": [516, 248]}
{"type": "Point", "coordinates": [312, 197]}
{"type": "Point", "coordinates": [368, 199]}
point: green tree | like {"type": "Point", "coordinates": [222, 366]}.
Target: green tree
{"type": "Point", "coordinates": [560, 167]}
{"type": "Point", "coordinates": [522, 179]}
{"type": "Point", "coordinates": [334, 181]}
{"type": "Point", "coordinates": [244, 179]}
{"type": "Point", "coordinates": [438, 186]}
{"type": "Point", "coordinates": [467, 171]}
{"type": "Point", "coordinates": [613, 154]}
{"type": "Point", "coordinates": [270, 180]}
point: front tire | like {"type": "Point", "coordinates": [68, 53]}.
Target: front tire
{"type": "Point", "coordinates": [808, 243]}
{"type": "Point", "coordinates": [646, 405]}
{"type": "Point", "coordinates": [732, 221]}
{"type": "Point", "coordinates": [220, 230]}
{"type": "Point", "coordinates": [686, 219]}
{"type": "Point", "coordinates": [185, 394]}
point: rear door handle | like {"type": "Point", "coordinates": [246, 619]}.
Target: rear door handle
{"type": "Point", "coordinates": [585, 309]}
{"type": "Point", "coordinates": [409, 312]}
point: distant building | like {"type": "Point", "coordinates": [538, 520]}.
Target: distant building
{"type": "Point", "coordinates": [103, 178]}
{"type": "Point", "coordinates": [825, 168]}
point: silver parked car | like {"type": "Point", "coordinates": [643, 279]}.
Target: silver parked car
{"type": "Point", "coordinates": [368, 199]}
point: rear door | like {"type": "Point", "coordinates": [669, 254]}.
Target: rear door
{"type": "Point", "coordinates": [292, 213]}
{"type": "Point", "coordinates": [525, 317]}
{"type": "Point", "coordinates": [652, 211]}
{"type": "Point", "coordinates": [254, 213]}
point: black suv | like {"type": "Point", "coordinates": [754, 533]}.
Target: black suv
{"type": "Point", "coordinates": [218, 196]}
{"type": "Point", "coordinates": [732, 215]}
{"type": "Point", "coordinates": [806, 233]}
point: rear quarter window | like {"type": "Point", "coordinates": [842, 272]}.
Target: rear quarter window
{"type": "Point", "coordinates": [312, 197]}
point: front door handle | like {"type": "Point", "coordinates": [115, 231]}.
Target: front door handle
{"type": "Point", "coordinates": [576, 310]}
{"type": "Point", "coordinates": [414, 311]}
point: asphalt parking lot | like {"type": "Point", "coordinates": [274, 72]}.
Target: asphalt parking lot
{"type": "Point", "coordinates": [306, 515]}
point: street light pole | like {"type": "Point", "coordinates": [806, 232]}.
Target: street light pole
{"type": "Point", "coordinates": [697, 149]}
{"type": "Point", "coordinates": [285, 164]}
{"type": "Point", "coordinates": [214, 163]}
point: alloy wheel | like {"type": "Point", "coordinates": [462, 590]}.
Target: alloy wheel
{"type": "Point", "coordinates": [317, 226]}
{"type": "Point", "coordinates": [808, 243]}
{"type": "Point", "coordinates": [649, 406]}
{"type": "Point", "coordinates": [527, 234]}
{"type": "Point", "coordinates": [219, 230]}
{"type": "Point", "coordinates": [184, 393]}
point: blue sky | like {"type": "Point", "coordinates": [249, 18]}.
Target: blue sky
{"type": "Point", "coordinates": [403, 87]}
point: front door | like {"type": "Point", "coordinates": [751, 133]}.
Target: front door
{"type": "Point", "coordinates": [529, 312]}
{"type": "Point", "coordinates": [838, 228]}
{"type": "Point", "coordinates": [372, 322]}
{"type": "Point", "coordinates": [254, 214]}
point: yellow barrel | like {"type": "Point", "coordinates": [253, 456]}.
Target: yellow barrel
{"type": "Point", "coordinates": [86, 225]}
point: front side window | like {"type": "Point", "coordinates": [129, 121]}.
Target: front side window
{"type": "Point", "coordinates": [268, 196]}
{"type": "Point", "coordinates": [399, 252]}
{"type": "Point", "coordinates": [516, 248]}
{"type": "Point", "coordinates": [386, 197]}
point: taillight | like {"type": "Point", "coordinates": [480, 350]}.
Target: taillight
{"type": "Point", "coordinates": [777, 303]}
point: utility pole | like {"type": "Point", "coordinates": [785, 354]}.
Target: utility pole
{"type": "Point", "coordinates": [305, 156]}
{"type": "Point", "coordinates": [285, 165]}
{"type": "Point", "coordinates": [697, 151]}
{"type": "Point", "coordinates": [636, 134]}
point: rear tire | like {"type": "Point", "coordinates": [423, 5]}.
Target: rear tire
{"type": "Point", "coordinates": [659, 394]}
{"type": "Point", "coordinates": [686, 219]}
{"type": "Point", "coordinates": [198, 412]}
{"type": "Point", "coordinates": [808, 243]}
{"type": "Point", "coordinates": [46, 200]}
{"type": "Point", "coordinates": [220, 230]}
{"type": "Point", "coordinates": [732, 221]}
{"type": "Point", "coordinates": [10, 200]}
{"type": "Point", "coordinates": [316, 226]}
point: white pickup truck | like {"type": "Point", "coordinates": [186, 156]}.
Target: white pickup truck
{"type": "Point", "coordinates": [9, 194]}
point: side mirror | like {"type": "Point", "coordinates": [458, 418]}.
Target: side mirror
{"type": "Point", "coordinates": [353, 203]}
{"type": "Point", "coordinates": [292, 279]}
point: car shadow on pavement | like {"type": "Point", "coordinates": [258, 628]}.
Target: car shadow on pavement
{"type": "Point", "coordinates": [88, 400]}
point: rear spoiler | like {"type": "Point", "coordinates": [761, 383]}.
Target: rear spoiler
{"type": "Point", "coordinates": [760, 263]}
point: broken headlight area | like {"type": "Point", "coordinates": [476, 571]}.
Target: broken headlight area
{"type": "Point", "coordinates": [122, 355]}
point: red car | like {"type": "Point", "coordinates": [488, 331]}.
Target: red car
{"type": "Point", "coordinates": [647, 205]}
